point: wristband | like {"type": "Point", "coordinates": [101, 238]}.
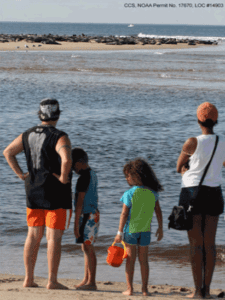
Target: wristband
{"type": "Point", "coordinates": [119, 233]}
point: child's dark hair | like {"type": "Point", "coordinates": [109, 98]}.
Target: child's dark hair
{"type": "Point", "coordinates": [144, 174]}
{"type": "Point", "coordinates": [79, 155]}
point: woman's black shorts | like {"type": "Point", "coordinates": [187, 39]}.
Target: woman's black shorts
{"type": "Point", "coordinates": [210, 203]}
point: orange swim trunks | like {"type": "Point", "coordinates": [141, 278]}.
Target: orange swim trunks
{"type": "Point", "coordinates": [56, 219]}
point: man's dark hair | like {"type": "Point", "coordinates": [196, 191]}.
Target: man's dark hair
{"type": "Point", "coordinates": [79, 155]}
{"type": "Point", "coordinates": [208, 123]}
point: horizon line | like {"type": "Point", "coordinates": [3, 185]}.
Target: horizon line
{"type": "Point", "coordinates": [125, 23]}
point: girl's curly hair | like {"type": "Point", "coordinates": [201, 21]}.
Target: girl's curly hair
{"type": "Point", "coordinates": [143, 173]}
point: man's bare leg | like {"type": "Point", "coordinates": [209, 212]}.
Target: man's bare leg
{"type": "Point", "coordinates": [54, 238]}
{"type": "Point", "coordinates": [31, 248]}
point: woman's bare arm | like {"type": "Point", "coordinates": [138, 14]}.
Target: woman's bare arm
{"type": "Point", "coordinates": [188, 149]}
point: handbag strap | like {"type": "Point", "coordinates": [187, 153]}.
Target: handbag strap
{"type": "Point", "coordinates": [207, 167]}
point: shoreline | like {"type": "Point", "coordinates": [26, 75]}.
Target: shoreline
{"type": "Point", "coordinates": [11, 287]}
{"type": "Point", "coordinates": [72, 266]}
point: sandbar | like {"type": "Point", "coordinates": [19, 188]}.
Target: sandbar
{"type": "Point", "coordinates": [90, 46]}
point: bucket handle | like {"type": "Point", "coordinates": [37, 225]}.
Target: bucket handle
{"type": "Point", "coordinates": [125, 249]}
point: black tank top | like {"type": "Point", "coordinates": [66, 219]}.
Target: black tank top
{"type": "Point", "coordinates": [44, 190]}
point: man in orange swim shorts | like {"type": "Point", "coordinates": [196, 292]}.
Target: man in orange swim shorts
{"type": "Point", "coordinates": [48, 188]}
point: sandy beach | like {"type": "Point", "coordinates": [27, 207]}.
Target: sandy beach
{"type": "Point", "coordinates": [11, 288]}
{"type": "Point", "coordinates": [68, 46]}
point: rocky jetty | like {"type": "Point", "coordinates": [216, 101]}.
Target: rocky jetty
{"type": "Point", "coordinates": [110, 40]}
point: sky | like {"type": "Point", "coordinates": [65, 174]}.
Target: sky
{"type": "Point", "coordinates": [115, 11]}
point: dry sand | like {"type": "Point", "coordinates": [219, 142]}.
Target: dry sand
{"type": "Point", "coordinates": [67, 46]}
{"type": "Point", "coordinates": [11, 288]}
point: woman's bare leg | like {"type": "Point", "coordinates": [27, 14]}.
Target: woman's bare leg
{"type": "Point", "coordinates": [210, 228]}
{"type": "Point", "coordinates": [195, 236]}
{"type": "Point", "coordinates": [131, 257]}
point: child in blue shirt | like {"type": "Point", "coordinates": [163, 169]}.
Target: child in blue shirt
{"type": "Point", "coordinates": [139, 203]}
{"type": "Point", "coordinates": [87, 216]}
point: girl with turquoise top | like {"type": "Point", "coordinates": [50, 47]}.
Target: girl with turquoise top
{"type": "Point", "coordinates": [139, 203]}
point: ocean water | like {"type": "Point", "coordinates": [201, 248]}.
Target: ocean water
{"type": "Point", "coordinates": [116, 29]}
{"type": "Point", "coordinates": [117, 105]}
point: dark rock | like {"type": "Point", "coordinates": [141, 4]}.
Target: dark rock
{"type": "Point", "coordinates": [85, 40]}
{"type": "Point", "coordinates": [113, 40]}
{"type": "Point", "coordinates": [51, 42]}
{"type": "Point", "coordinates": [131, 42]}
{"type": "Point", "coordinates": [107, 41]}
{"type": "Point", "coordinates": [38, 39]}
{"type": "Point", "coordinates": [60, 38]}
{"type": "Point", "coordinates": [98, 40]}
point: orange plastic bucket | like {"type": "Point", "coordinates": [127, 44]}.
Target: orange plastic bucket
{"type": "Point", "coordinates": [116, 255]}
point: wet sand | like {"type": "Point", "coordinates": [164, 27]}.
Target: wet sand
{"type": "Point", "coordinates": [68, 46]}
{"type": "Point", "coordinates": [11, 288]}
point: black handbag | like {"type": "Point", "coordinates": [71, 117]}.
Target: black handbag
{"type": "Point", "coordinates": [181, 217]}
